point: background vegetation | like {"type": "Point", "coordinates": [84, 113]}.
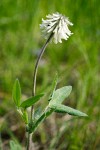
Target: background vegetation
{"type": "Point", "coordinates": [76, 61]}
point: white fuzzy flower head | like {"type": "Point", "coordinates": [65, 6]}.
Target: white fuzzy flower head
{"type": "Point", "coordinates": [58, 25]}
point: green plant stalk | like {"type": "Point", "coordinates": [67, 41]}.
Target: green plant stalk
{"type": "Point", "coordinates": [29, 138]}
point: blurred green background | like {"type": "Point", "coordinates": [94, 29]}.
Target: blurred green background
{"type": "Point", "coordinates": [76, 60]}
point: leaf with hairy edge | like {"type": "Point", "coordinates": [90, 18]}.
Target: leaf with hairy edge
{"type": "Point", "coordinates": [60, 94]}
{"type": "Point", "coordinates": [65, 109]}
{"type": "Point", "coordinates": [16, 94]}
{"type": "Point", "coordinates": [30, 101]}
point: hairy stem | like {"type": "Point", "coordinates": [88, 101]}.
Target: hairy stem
{"type": "Point", "coordinates": [29, 139]}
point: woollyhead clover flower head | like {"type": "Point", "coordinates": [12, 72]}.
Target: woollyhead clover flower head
{"type": "Point", "coordinates": [56, 24]}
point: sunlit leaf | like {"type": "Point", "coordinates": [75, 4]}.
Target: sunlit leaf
{"type": "Point", "coordinates": [30, 101]}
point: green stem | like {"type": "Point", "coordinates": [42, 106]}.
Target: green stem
{"type": "Point", "coordinates": [29, 139]}
{"type": "Point", "coordinates": [36, 68]}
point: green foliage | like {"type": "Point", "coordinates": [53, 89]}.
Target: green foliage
{"type": "Point", "coordinates": [14, 146]}
{"type": "Point", "coordinates": [39, 116]}
{"type": "Point", "coordinates": [55, 105]}
{"type": "Point", "coordinates": [58, 97]}
{"type": "Point", "coordinates": [60, 94]}
{"type": "Point", "coordinates": [30, 101]}
{"type": "Point", "coordinates": [47, 112]}
{"type": "Point", "coordinates": [59, 108]}
{"type": "Point", "coordinates": [16, 94]}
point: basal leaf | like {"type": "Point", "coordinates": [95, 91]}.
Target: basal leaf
{"type": "Point", "coordinates": [30, 101]}
{"type": "Point", "coordinates": [16, 94]}
{"type": "Point", "coordinates": [60, 94]}
{"type": "Point", "coordinates": [65, 109]}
